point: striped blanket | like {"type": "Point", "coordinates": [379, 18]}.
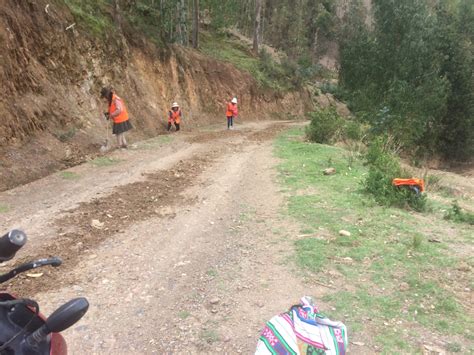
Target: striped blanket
{"type": "Point", "coordinates": [303, 330]}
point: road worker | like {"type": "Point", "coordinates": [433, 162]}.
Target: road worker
{"type": "Point", "coordinates": [174, 116]}
{"type": "Point", "coordinates": [232, 112]}
{"type": "Point", "coordinates": [117, 112]}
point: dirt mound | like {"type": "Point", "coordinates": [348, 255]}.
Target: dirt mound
{"type": "Point", "coordinates": [51, 73]}
{"type": "Point", "coordinates": [82, 229]}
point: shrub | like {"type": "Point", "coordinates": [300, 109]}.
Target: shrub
{"type": "Point", "coordinates": [384, 166]}
{"type": "Point", "coordinates": [332, 88]}
{"type": "Point", "coordinates": [456, 214]}
{"type": "Point", "coordinates": [326, 126]}
{"type": "Point", "coordinates": [353, 130]}
{"type": "Point", "coordinates": [65, 136]}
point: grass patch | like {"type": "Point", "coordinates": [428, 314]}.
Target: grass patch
{"type": "Point", "coordinates": [93, 15]}
{"type": "Point", "coordinates": [104, 161]}
{"type": "Point", "coordinates": [69, 175]}
{"type": "Point", "coordinates": [156, 142]}
{"type": "Point", "coordinates": [212, 273]}
{"type": "Point", "coordinates": [209, 336]}
{"type": "Point", "coordinates": [184, 314]}
{"type": "Point", "coordinates": [266, 72]}
{"type": "Point", "coordinates": [392, 274]}
{"type": "Point", "coordinates": [4, 208]}
{"type": "Point", "coordinates": [65, 136]}
{"type": "Point", "coordinates": [458, 215]}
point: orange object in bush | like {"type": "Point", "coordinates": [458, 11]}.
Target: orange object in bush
{"type": "Point", "coordinates": [420, 183]}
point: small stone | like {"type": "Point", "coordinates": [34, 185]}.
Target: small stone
{"type": "Point", "coordinates": [214, 300]}
{"type": "Point", "coordinates": [329, 171]}
{"type": "Point", "coordinates": [95, 223]}
{"type": "Point", "coordinates": [344, 233]}
{"type": "Point", "coordinates": [404, 286]}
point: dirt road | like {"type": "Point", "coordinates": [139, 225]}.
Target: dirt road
{"type": "Point", "coordinates": [179, 244]}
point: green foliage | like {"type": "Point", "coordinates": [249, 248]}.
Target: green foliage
{"type": "Point", "coordinates": [69, 175]}
{"type": "Point", "coordinates": [456, 214]}
{"type": "Point", "coordinates": [104, 161]}
{"type": "Point", "coordinates": [411, 75]}
{"type": "Point", "coordinates": [353, 130]}
{"type": "Point", "coordinates": [384, 166]}
{"type": "Point", "coordinates": [163, 22]}
{"type": "Point", "coordinates": [66, 135]}
{"type": "Point", "coordinates": [92, 14]}
{"type": "Point", "coordinates": [287, 26]}
{"type": "Point", "coordinates": [454, 347]}
{"type": "Point", "coordinates": [417, 240]}
{"type": "Point", "coordinates": [184, 314]}
{"type": "Point", "coordinates": [267, 72]}
{"type": "Point", "coordinates": [387, 248]}
{"type": "Point", "coordinates": [325, 127]}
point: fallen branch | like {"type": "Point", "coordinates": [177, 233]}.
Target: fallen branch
{"type": "Point", "coordinates": [70, 26]}
{"type": "Point", "coordinates": [324, 285]}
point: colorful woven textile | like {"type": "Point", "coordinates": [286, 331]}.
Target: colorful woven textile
{"type": "Point", "coordinates": [303, 330]}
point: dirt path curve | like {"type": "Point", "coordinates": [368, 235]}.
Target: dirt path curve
{"type": "Point", "coordinates": [191, 254]}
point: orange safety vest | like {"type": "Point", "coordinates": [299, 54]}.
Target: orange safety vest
{"type": "Point", "coordinates": [410, 182]}
{"type": "Point", "coordinates": [232, 110]}
{"type": "Point", "coordinates": [174, 116]}
{"type": "Point", "coordinates": [123, 116]}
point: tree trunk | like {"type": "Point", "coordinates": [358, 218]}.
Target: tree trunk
{"type": "Point", "coordinates": [196, 24]}
{"type": "Point", "coordinates": [256, 34]}
{"type": "Point", "coordinates": [117, 15]}
{"type": "Point", "coordinates": [182, 28]}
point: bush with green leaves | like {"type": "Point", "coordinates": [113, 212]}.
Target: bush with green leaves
{"type": "Point", "coordinates": [456, 214]}
{"type": "Point", "coordinates": [384, 166]}
{"type": "Point", "coordinates": [354, 130]}
{"type": "Point", "coordinates": [326, 126]}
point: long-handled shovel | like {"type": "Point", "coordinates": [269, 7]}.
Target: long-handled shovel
{"type": "Point", "coordinates": [106, 146]}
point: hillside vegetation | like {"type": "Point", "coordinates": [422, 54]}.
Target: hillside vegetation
{"type": "Point", "coordinates": [58, 55]}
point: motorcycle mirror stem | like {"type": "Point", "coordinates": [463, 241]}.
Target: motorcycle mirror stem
{"type": "Point", "coordinates": [61, 319]}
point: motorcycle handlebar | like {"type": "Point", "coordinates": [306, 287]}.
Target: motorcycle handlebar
{"type": "Point", "coordinates": [54, 262]}
{"type": "Point", "coordinates": [10, 243]}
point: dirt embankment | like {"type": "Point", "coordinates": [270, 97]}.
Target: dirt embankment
{"type": "Point", "coordinates": [52, 71]}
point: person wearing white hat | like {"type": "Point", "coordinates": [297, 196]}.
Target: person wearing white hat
{"type": "Point", "coordinates": [232, 112]}
{"type": "Point", "coordinates": [174, 116]}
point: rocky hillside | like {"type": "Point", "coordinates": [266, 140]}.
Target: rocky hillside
{"type": "Point", "coordinates": [52, 70]}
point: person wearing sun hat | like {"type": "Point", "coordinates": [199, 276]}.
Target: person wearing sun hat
{"type": "Point", "coordinates": [232, 112]}
{"type": "Point", "coordinates": [174, 116]}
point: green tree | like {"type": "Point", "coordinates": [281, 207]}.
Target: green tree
{"type": "Point", "coordinates": [411, 74]}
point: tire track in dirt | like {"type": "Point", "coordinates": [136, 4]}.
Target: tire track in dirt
{"type": "Point", "coordinates": [82, 229]}
{"type": "Point", "coordinates": [78, 235]}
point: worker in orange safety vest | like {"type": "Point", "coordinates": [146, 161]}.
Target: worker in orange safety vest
{"type": "Point", "coordinates": [175, 116]}
{"type": "Point", "coordinates": [117, 112]}
{"type": "Point", "coordinates": [232, 112]}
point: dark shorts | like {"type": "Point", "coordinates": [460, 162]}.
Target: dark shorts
{"type": "Point", "coordinates": [122, 127]}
